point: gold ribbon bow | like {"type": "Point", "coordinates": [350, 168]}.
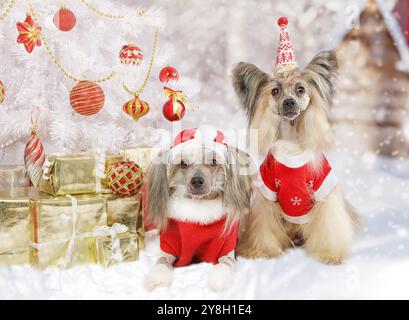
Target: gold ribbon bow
{"type": "Point", "coordinates": [177, 96]}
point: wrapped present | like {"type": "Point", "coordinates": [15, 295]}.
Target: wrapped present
{"type": "Point", "coordinates": [61, 230]}
{"type": "Point", "coordinates": [13, 176]}
{"type": "Point", "coordinates": [127, 211]}
{"type": "Point", "coordinates": [77, 174]}
{"type": "Point", "coordinates": [14, 214]}
{"type": "Point", "coordinates": [142, 156]}
{"type": "Point", "coordinates": [115, 244]}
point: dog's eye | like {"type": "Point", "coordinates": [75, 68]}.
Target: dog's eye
{"type": "Point", "coordinates": [300, 89]}
{"type": "Point", "coordinates": [275, 91]}
{"type": "Point", "coordinates": [213, 163]}
{"type": "Point", "coordinates": [183, 164]}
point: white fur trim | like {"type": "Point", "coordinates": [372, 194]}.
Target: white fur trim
{"type": "Point", "coordinates": [305, 218]}
{"type": "Point", "coordinates": [265, 191]}
{"type": "Point", "coordinates": [327, 185]}
{"type": "Point", "coordinates": [159, 276]}
{"type": "Point", "coordinates": [199, 211]}
{"type": "Point", "coordinates": [293, 161]}
{"type": "Point", "coordinates": [192, 144]}
{"type": "Point", "coordinates": [220, 278]}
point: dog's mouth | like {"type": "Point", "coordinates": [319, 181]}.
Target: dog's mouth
{"type": "Point", "coordinates": [290, 115]}
{"type": "Point", "coordinates": [202, 196]}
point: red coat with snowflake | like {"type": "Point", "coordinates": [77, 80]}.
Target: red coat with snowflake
{"type": "Point", "coordinates": [193, 242]}
{"type": "Point", "coordinates": [295, 185]}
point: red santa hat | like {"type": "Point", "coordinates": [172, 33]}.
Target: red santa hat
{"type": "Point", "coordinates": [285, 54]}
{"type": "Point", "coordinates": [203, 137]}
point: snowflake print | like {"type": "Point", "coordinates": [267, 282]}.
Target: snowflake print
{"type": "Point", "coordinates": [277, 182]}
{"type": "Point", "coordinates": [296, 201]}
{"type": "Point", "coordinates": [310, 184]}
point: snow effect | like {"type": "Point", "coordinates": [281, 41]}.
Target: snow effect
{"type": "Point", "coordinates": [377, 267]}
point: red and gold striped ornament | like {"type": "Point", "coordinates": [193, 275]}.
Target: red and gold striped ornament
{"type": "Point", "coordinates": [136, 108]}
{"type": "Point", "coordinates": [87, 98]}
{"type": "Point", "coordinates": [125, 178]}
{"type": "Point", "coordinates": [2, 92]}
{"type": "Point", "coordinates": [64, 19]}
{"type": "Point", "coordinates": [34, 157]}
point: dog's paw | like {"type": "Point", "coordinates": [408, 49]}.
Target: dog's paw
{"type": "Point", "coordinates": [221, 277]}
{"type": "Point", "coordinates": [160, 276]}
{"type": "Point", "coordinates": [328, 258]}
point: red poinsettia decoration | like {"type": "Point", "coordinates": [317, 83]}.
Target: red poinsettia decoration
{"type": "Point", "coordinates": [29, 34]}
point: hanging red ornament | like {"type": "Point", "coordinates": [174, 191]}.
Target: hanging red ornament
{"type": "Point", "coordinates": [131, 54]}
{"type": "Point", "coordinates": [34, 155]}
{"type": "Point", "coordinates": [136, 108]}
{"type": "Point", "coordinates": [87, 98]}
{"type": "Point", "coordinates": [174, 109]}
{"type": "Point", "coordinates": [2, 92]}
{"type": "Point", "coordinates": [29, 34]}
{"type": "Point", "coordinates": [125, 178]}
{"type": "Point", "coordinates": [64, 19]}
{"type": "Point", "coordinates": [167, 74]}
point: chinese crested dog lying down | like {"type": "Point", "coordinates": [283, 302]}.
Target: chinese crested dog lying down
{"type": "Point", "coordinates": [196, 196]}
{"type": "Point", "coordinates": [297, 199]}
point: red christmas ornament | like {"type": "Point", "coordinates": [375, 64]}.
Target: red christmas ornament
{"type": "Point", "coordinates": [87, 98]}
{"type": "Point", "coordinates": [28, 34]}
{"type": "Point", "coordinates": [34, 157]}
{"type": "Point", "coordinates": [282, 21]}
{"type": "Point", "coordinates": [64, 19]}
{"type": "Point", "coordinates": [125, 178]}
{"type": "Point", "coordinates": [136, 108]}
{"type": "Point", "coordinates": [131, 54]}
{"type": "Point", "coordinates": [2, 92]}
{"type": "Point", "coordinates": [167, 74]}
{"type": "Point", "coordinates": [174, 109]}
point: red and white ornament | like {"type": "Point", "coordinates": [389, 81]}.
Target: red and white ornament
{"type": "Point", "coordinates": [2, 92]}
{"type": "Point", "coordinates": [131, 54]}
{"type": "Point", "coordinates": [29, 34]}
{"type": "Point", "coordinates": [168, 74]}
{"type": "Point", "coordinates": [87, 98]}
{"type": "Point", "coordinates": [125, 178]}
{"type": "Point", "coordinates": [34, 157]}
{"type": "Point", "coordinates": [136, 108]}
{"type": "Point", "coordinates": [175, 107]}
{"type": "Point", "coordinates": [64, 19]}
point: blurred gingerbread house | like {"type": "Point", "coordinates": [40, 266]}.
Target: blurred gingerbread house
{"type": "Point", "coordinates": [371, 108]}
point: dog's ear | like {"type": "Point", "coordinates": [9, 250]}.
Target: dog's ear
{"type": "Point", "coordinates": [247, 82]}
{"type": "Point", "coordinates": [321, 73]}
{"type": "Point", "coordinates": [158, 190]}
{"type": "Point", "coordinates": [237, 191]}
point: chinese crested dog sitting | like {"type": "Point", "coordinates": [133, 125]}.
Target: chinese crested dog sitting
{"type": "Point", "coordinates": [297, 200]}
{"type": "Point", "coordinates": [196, 196]}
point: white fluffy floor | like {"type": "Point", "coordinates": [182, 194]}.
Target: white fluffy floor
{"type": "Point", "coordinates": [378, 266]}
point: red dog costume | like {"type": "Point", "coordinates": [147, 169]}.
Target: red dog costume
{"type": "Point", "coordinates": [292, 182]}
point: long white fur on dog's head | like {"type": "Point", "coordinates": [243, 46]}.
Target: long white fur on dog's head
{"type": "Point", "coordinates": [263, 106]}
{"type": "Point", "coordinates": [225, 180]}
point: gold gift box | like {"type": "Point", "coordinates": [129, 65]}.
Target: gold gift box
{"type": "Point", "coordinates": [142, 156]}
{"type": "Point", "coordinates": [129, 249]}
{"type": "Point", "coordinates": [55, 239]}
{"type": "Point", "coordinates": [76, 174]}
{"type": "Point", "coordinates": [14, 215]}
{"type": "Point", "coordinates": [13, 176]}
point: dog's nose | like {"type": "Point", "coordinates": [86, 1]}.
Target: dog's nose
{"type": "Point", "coordinates": [289, 104]}
{"type": "Point", "coordinates": [197, 182]}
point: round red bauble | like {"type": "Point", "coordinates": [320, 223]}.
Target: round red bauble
{"type": "Point", "coordinates": [87, 98]}
{"type": "Point", "coordinates": [131, 54]}
{"type": "Point", "coordinates": [282, 21]}
{"type": "Point", "coordinates": [2, 92]}
{"type": "Point", "coordinates": [167, 74]}
{"type": "Point", "coordinates": [171, 113]}
{"type": "Point", "coordinates": [64, 19]}
{"type": "Point", "coordinates": [125, 178]}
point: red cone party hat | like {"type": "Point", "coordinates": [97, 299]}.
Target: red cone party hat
{"type": "Point", "coordinates": [285, 53]}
